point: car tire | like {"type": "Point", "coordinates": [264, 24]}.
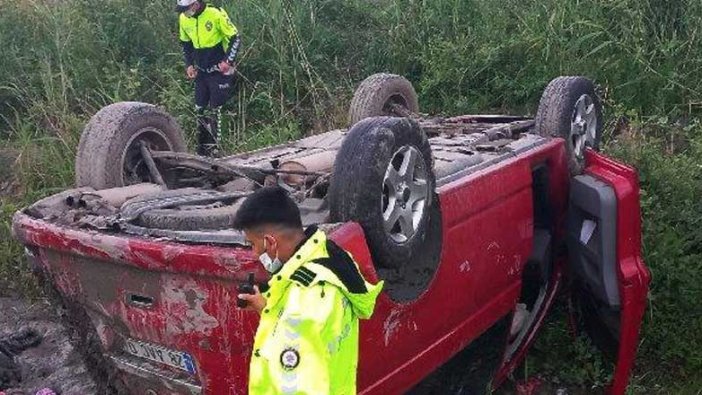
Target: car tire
{"type": "Point", "coordinates": [569, 108]}
{"type": "Point", "coordinates": [377, 92]}
{"type": "Point", "coordinates": [383, 179]}
{"type": "Point", "coordinates": [110, 144]}
{"type": "Point", "coordinates": [217, 215]}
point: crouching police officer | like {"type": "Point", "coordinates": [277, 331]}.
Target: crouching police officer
{"type": "Point", "coordinates": [307, 339]}
{"type": "Point", "coordinates": [210, 45]}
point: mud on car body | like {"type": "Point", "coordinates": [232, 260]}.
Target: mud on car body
{"type": "Point", "coordinates": [473, 221]}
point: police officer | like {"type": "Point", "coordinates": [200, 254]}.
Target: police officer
{"type": "Point", "coordinates": [210, 45]}
{"type": "Point", "coordinates": [307, 338]}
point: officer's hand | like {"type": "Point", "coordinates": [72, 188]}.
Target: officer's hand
{"type": "Point", "coordinates": [224, 67]}
{"type": "Point", "coordinates": [256, 301]}
{"type": "Point", "coordinates": [191, 72]}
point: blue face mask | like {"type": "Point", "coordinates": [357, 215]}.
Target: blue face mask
{"type": "Point", "coordinates": [271, 265]}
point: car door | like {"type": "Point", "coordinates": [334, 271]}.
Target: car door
{"type": "Point", "coordinates": [610, 279]}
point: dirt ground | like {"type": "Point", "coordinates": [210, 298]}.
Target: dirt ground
{"type": "Point", "coordinates": [54, 363]}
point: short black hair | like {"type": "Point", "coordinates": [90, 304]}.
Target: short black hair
{"type": "Point", "coordinates": [268, 206]}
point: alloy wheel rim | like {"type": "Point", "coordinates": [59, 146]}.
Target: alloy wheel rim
{"type": "Point", "coordinates": [405, 193]}
{"type": "Point", "coordinates": [583, 126]}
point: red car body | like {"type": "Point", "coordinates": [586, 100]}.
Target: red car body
{"type": "Point", "coordinates": [183, 297]}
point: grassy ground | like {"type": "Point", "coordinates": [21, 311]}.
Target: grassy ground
{"type": "Point", "coordinates": [63, 60]}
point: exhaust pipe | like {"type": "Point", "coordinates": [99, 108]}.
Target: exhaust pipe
{"type": "Point", "coordinates": [320, 162]}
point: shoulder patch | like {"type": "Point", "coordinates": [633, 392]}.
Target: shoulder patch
{"type": "Point", "coordinates": [303, 276]}
{"type": "Point", "coordinates": [341, 264]}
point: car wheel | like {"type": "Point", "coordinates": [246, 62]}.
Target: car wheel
{"type": "Point", "coordinates": [109, 150]}
{"type": "Point", "coordinates": [570, 109]}
{"type": "Point", "coordinates": [379, 93]}
{"type": "Point", "coordinates": [187, 209]}
{"type": "Point", "coordinates": [383, 179]}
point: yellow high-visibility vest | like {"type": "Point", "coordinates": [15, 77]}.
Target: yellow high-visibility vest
{"type": "Point", "coordinates": [307, 339]}
{"type": "Point", "coordinates": [207, 30]}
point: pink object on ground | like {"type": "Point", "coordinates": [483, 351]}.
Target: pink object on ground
{"type": "Point", "coordinates": [528, 387]}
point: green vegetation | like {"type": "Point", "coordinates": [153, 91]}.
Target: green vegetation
{"type": "Point", "coordinates": [64, 59]}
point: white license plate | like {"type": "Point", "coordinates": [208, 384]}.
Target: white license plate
{"type": "Point", "coordinates": [177, 359]}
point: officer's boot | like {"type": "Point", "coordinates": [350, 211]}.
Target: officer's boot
{"type": "Point", "coordinates": [202, 129]}
{"type": "Point", "coordinates": [215, 131]}
{"type": "Point", "coordinates": [208, 132]}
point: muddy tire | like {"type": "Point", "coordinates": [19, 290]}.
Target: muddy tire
{"type": "Point", "coordinates": [383, 179]}
{"type": "Point", "coordinates": [376, 93]}
{"type": "Point", "coordinates": [570, 109]}
{"type": "Point", "coordinates": [215, 216]}
{"type": "Point", "coordinates": [108, 153]}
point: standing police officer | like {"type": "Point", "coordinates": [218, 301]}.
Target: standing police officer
{"type": "Point", "coordinates": [307, 339]}
{"type": "Point", "coordinates": [210, 45]}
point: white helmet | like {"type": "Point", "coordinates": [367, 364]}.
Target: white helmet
{"type": "Point", "coordinates": [183, 5]}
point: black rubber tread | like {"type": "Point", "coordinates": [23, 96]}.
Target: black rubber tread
{"type": "Point", "coordinates": [554, 116]}
{"type": "Point", "coordinates": [205, 218]}
{"type": "Point", "coordinates": [373, 93]}
{"type": "Point", "coordinates": [106, 116]}
{"type": "Point", "coordinates": [356, 185]}
{"type": "Point", "coordinates": [98, 159]}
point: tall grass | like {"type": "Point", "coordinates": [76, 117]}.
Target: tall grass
{"type": "Point", "coordinates": [64, 59]}
{"type": "Point", "coordinates": [301, 59]}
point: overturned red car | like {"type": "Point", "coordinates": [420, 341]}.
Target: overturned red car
{"type": "Point", "coordinates": [474, 222]}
